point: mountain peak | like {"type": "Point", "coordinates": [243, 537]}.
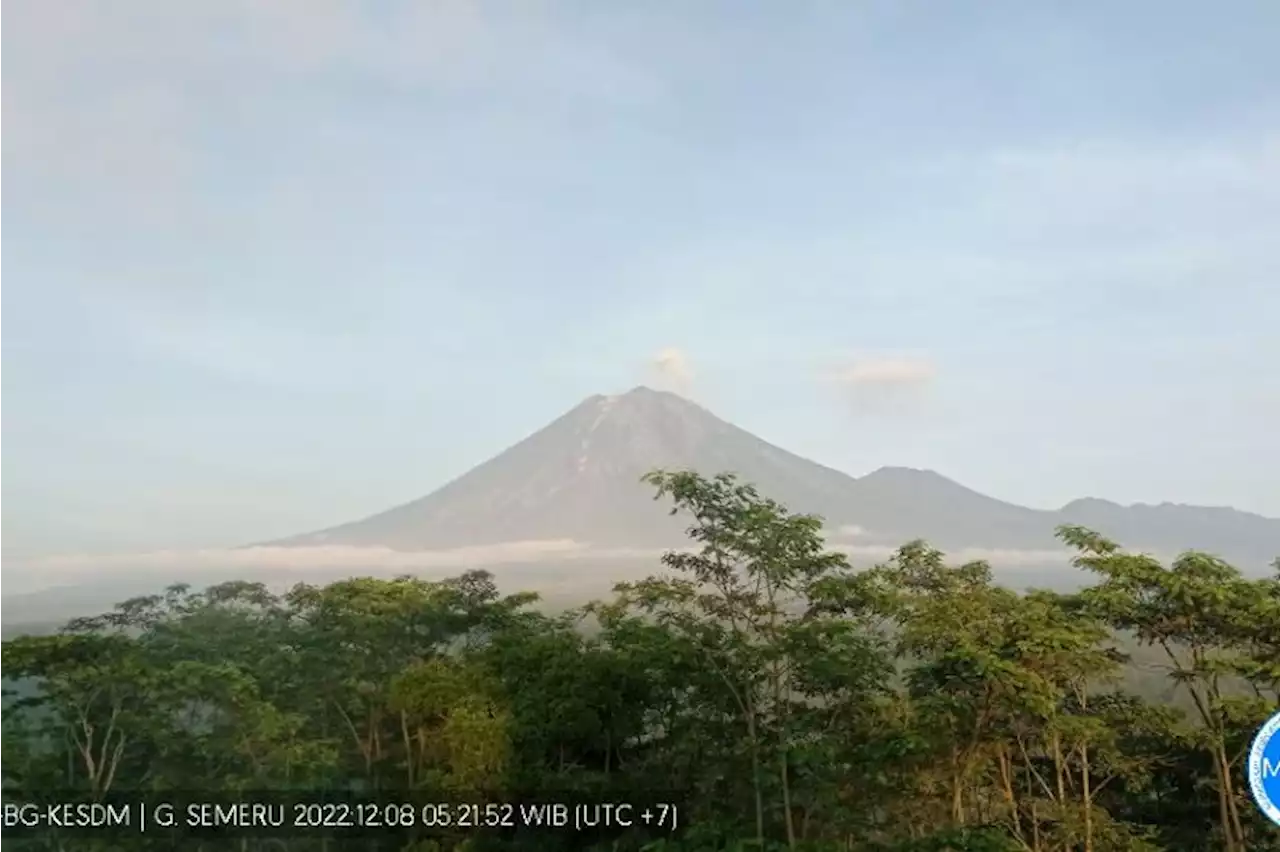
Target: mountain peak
{"type": "Point", "coordinates": [645, 404]}
{"type": "Point", "coordinates": [640, 394]}
{"type": "Point", "coordinates": [646, 392]}
{"type": "Point", "coordinates": [1090, 503]}
{"type": "Point", "coordinates": [892, 473]}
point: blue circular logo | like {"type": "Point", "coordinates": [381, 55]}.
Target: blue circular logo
{"type": "Point", "coordinates": [1264, 769]}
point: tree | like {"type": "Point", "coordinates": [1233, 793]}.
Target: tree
{"type": "Point", "coordinates": [784, 699]}
{"type": "Point", "coordinates": [741, 602]}
{"type": "Point", "coordinates": [1218, 633]}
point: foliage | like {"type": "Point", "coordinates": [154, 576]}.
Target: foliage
{"type": "Point", "coordinates": [783, 699]}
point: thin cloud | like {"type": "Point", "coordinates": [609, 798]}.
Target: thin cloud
{"type": "Point", "coordinates": [886, 372]}
{"type": "Point", "coordinates": [882, 383]}
{"type": "Point", "coordinates": [99, 98]}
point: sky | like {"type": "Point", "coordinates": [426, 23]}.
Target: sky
{"type": "Point", "coordinates": [278, 265]}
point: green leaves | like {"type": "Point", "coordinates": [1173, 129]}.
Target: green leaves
{"type": "Point", "coordinates": [783, 698]}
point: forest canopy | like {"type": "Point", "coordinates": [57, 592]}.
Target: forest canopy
{"type": "Point", "coordinates": [782, 698]}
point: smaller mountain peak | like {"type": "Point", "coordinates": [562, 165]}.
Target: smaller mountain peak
{"type": "Point", "coordinates": [900, 472]}
{"type": "Point", "coordinates": [1089, 503]}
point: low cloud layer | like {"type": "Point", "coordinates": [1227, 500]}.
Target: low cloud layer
{"type": "Point", "coordinates": [77, 568]}
{"type": "Point", "coordinates": [538, 564]}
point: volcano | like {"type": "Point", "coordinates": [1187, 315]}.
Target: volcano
{"type": "Point", "coordinates": [579, 479]}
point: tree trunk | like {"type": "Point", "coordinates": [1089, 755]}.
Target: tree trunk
{"type": "Point", "coordinates": [1087, 796]}
{"type": "Point", "coordinates": [408, 748]}
{"type": "Point", "coordinates": [1233, 830]}
{"type": "Point", "coordinates": [957, 790]}
{"type": "Point", "coordinates": [1059, 768]}
{"type": "Point", "coordinates": [786, 801]}
{"type": "Point", "coordinates": [781, 704]}
{"type": "Point", "coordinates": [1086, 783]}
{"type": "Point", "coordinates": [755, 774]}
{"type": "Point", "coordinates": [1006, 787]}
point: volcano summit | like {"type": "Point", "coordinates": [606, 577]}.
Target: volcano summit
{"type": "Point", "coordinates": [579, 478]}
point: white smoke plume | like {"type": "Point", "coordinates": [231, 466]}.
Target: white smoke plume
{"type": "Point", "coordinates": [671, 370]}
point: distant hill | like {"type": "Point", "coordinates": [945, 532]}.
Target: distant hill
{"type": "Point", "coordinates": [578, 478]}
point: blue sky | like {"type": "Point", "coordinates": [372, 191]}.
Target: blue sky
{"type": "Point", "coordinates": [278, 265]}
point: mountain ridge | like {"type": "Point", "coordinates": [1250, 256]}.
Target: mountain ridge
{"type": "Point", "coordinates": [579, 478]}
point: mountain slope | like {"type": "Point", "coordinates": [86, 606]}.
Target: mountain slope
{"type": "Point", "coordinates": [579, 478]}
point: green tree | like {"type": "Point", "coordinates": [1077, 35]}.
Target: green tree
{"type": "Point", "coordinates": [786, 699]}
